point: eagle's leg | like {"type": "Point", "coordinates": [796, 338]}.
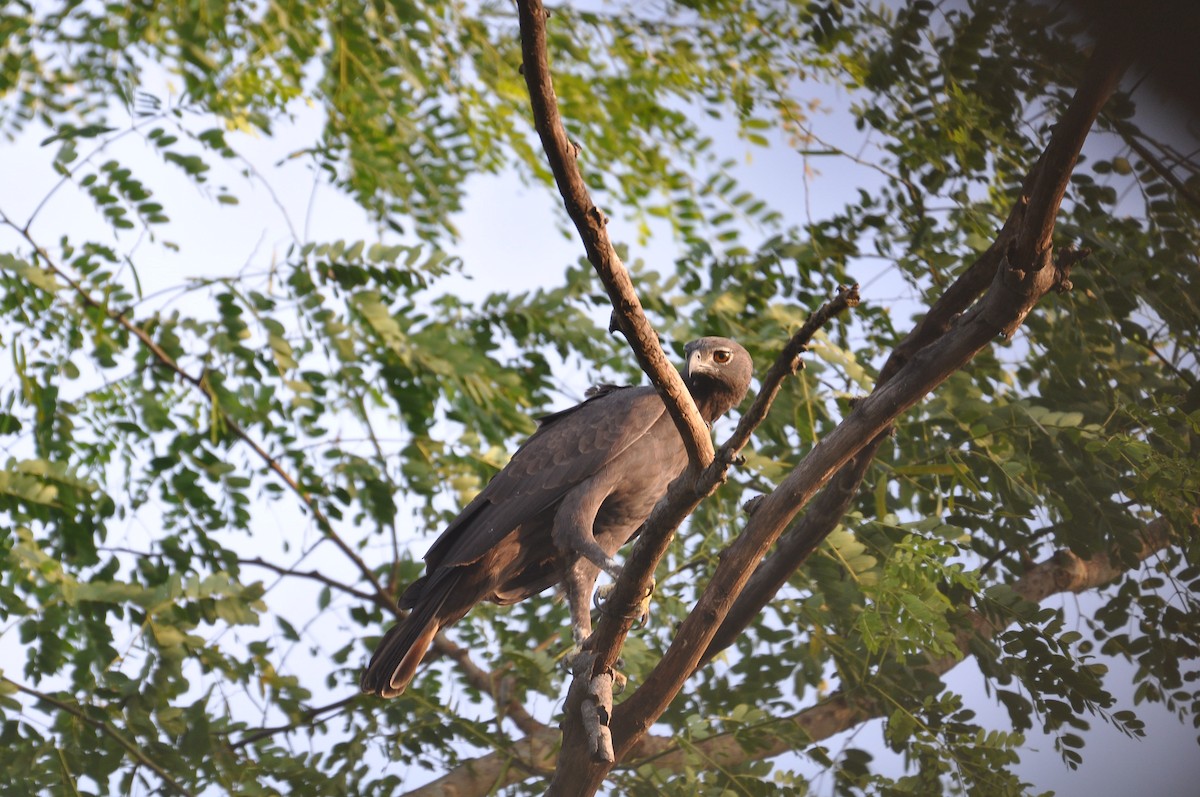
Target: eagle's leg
{"type": "Point", "coordinates": [582, 555]}
{"type": "Point", "coordinates": [577, 583]}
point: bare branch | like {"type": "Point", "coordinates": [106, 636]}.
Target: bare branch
{"type": "Point", "coordinates": [591, 223]}
{"type": "Point", "coordinates": [786, 365]}
{"type": "Point", "coordinates": [1053, 171]}
{"type": "Point", "coordinates": [1163, 171]}
{"type": "Point", "coordinates": [308, 718]}
{"type": "Point", "coordinates": [379, 600]}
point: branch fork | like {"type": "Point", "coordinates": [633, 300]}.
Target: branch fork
{"type": "Point", "coordinates": [1012, 276]}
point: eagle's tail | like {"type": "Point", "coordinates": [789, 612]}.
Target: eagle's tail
{"type": "Point", "coordinates": [395, 660]}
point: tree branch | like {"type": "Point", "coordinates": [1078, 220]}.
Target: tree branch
{"type": "Point", "coordinates": [1016, 287]}
{"type": "Point", "coordinates": [135, 752]}
{"type": "Point", "coordinates": [1061, 572]}
{"type": "Point", "coordinates": [828, 508]}
{"type": "Point", "coordinates": [630, 318]}
{"type": "Point", "coordinates": [590, 221]}
{"type": "Point", "coordinates": [1163, 171]}
{"type": "Point", "coordinates": [308, 718]}
{"type": "Point", "coordinates": [786, 364]}
{"type": "Point", "coordinates": [1053, 171]}
{"type": "Point", "coordinates": [379, 600]}
{"type": "Point", "coordinates": [831, 504]}
{"type": "Point", "coordinates": [794, 547]}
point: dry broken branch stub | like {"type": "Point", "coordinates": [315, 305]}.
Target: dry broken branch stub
{"type": "Point", "coordinates": [597, 712]}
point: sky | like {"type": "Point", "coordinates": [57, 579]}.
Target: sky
{"type": "Point", "coordinates": [511, 238]}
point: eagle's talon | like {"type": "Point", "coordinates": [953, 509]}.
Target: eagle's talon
{"type": "Point", "coordinates": [643, 617]}
{"type": "Point", "coordinates": [642, 609]}
{"type": "Point", "coordinates": [601, 595]}
{"type": "Point", "coordinates": [620, 681]}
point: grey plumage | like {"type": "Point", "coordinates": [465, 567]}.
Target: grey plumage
{"type": "Point", "coordinates": [576, 491]}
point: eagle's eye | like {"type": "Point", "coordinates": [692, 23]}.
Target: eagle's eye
{"type": "Point", "coordinates": [722, 356]}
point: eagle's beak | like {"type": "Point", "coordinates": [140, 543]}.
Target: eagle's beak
{"type": "Point", "coordinates": [696, 364]}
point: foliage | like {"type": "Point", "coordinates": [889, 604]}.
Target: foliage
{"type": "Point", "coordinates": [210, 499]}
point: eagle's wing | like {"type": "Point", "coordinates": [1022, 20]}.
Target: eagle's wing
{"type": "Point", "coordinates": [568, 448]}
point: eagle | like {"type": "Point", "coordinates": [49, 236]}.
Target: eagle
{"type": "Point", "coordinates": [575, 492]}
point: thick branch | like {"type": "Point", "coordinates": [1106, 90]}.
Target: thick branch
{"type": "Point", "coordinates": [590, 221]}
{"type": "Point", "coordinates": [827, 510]}
{"type": "Point", "coordinates": [1053, 172]}
{"type": "Point", "coordinates": [1062, 572]}
{"type": "Point", "coordinates": [794, 547]}
{"type": "Point", "coordinates": [1017, 286]}
{"type": "Point", "coordinates": [1013, 293]}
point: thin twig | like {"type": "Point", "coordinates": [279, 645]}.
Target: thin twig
{"type": "Point", "coordinates": [308, 717]}
{"type": "Point", "coordinates": [200, 384]}
{"type": "Point", "coordinates": [379, 600]}
{"type": "Point", "coordinates": [74, 710]}
{"type": "Point", "coordinates": [1163, 171]}
{"type": "Point", "coordinates": [786, 365]}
